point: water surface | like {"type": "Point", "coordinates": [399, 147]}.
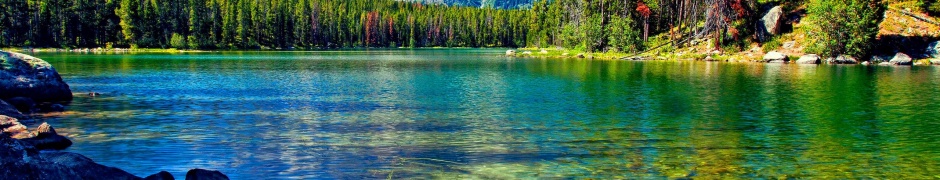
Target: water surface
{"type": "Point", "coordinates": [470, 113]}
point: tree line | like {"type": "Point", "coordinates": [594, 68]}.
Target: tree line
{"type": "Point", "coordinates": [590, 25]}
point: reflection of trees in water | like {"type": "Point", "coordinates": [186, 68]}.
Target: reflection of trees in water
{"type": "Point", "coordinates": [609, 120]}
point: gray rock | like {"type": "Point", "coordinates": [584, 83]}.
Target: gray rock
{"type": "Point", "coordinates": [901, 59]}
{"type": "Point", "coordinates": [933, 49]}
{"type": "Point", "coordinates": [842, 59]}
{"type": "Point", "coordinates": [866, 63]}
{"type": "Point", "coordinates": [789, 45]}
{"type": "Point", "coordinates": [26, 76]}
{"type": "Point", "coordinates": [776, 57]}
{"type": "Point", "coordinates": [809, 59]}
{"type": "Point", "coordinates": [162, 175]}
{"type": "Point", "coordinates": [202, 174]}
{"type": "Point", "coordinates": [935, 61]}
{"type": "Point", "coordinates": [773, 20]}
{"type": "Point", "coordinates": [510, 52]}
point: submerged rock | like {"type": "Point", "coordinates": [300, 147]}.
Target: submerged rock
{"type": "Point", "coordinates": [901, 59]}
{"type": "Point", "coordinates": [202, 174]}
{"type": "Point", "coordinates": [26, 76]}
{"type": "Point", "coordinates": [809, 59]}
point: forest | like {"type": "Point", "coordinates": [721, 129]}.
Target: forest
{"type": "Point", "coordinates": [590, 25]}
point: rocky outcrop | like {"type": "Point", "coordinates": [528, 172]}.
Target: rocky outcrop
{"type": "Point", "coordinates": [20, 160]}
{"type": "Point", "coordinates": [26, 76]}
{"type": "Point", "coordinates": [933, 49]}
{"type": "Point", "coordinates": [842, 59]}
{"type": "Point", "coordinates": [12, 127]}
{"type": "Point", "coordinates": [809, 59]}
{"type": "Point", "coordinates": [44, 138]}
{"type": "Point", "coordinates": [83, 167]}
{"type": "Point", "coordinates": [773, 21]}
{"type": "Point", "coordinates": [202, 174]}
{"type": "Point", "coordinates": [776, 57]}
{"type": "Point", "coordinates": [901, 59]}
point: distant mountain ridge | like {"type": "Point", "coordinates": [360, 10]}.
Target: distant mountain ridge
{"type": "Point", "coordinates": [501, 4]}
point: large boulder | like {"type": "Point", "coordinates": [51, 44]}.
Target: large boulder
{"type": "Point", "coordinates": [776, 57]}
{"type": "Point", "coordinates": [26, 76]}
{"type": "Point", "coordinates": [933, 49]}
{"type": "Point", "coordinates": [935, 61]}
{"type": "Point", "coordinates": [809, 59]}
{"type": "Point", "coordinates": [901, 59]}
{"type": "Point", "coordinates": [202, 174]}
{"type": "Point", "coordinates": [772, 22]}
{"type": "Point", "coordinates": [510, 52]}
{"type": "Point", "coordinates": [842, 59]}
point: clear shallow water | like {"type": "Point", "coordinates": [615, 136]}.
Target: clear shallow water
{"type": "Point", "coordinates": [472, 114]}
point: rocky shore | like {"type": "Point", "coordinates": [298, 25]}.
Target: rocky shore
{"type": "Point", "coordinates": [30, 85]}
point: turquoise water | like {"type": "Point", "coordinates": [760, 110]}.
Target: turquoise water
{"type": "Point", "coordinates": [472, 114]}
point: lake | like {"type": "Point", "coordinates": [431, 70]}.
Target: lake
{"type": "Point", "coordinates": [473, 114]}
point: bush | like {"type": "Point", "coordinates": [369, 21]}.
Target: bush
{"type": "Point", "coordinates": [931, 6]}
{"type": "Point", "coordinates": [177, 41]}
{"type": "Point", "coordinates": [843, 26]}
{"type": "Point", "coordinates": [771, 45]}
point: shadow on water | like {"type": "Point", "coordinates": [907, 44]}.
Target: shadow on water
{"type": "Point", "coordinates": [459, 114]}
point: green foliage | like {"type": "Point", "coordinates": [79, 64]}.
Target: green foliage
{"type": "Point", "coordinates": [623, 36]}
{"type": "Point", "coordinates": [931, 6]}
{"type": "Point", "coordinates": [843, 26]}
{"type": "Point", "coordinates": [772, 45]}
{"type": "Point", "coordinates": [595, 36]}
{"type": "Point", "coordinates": [178, 41]}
